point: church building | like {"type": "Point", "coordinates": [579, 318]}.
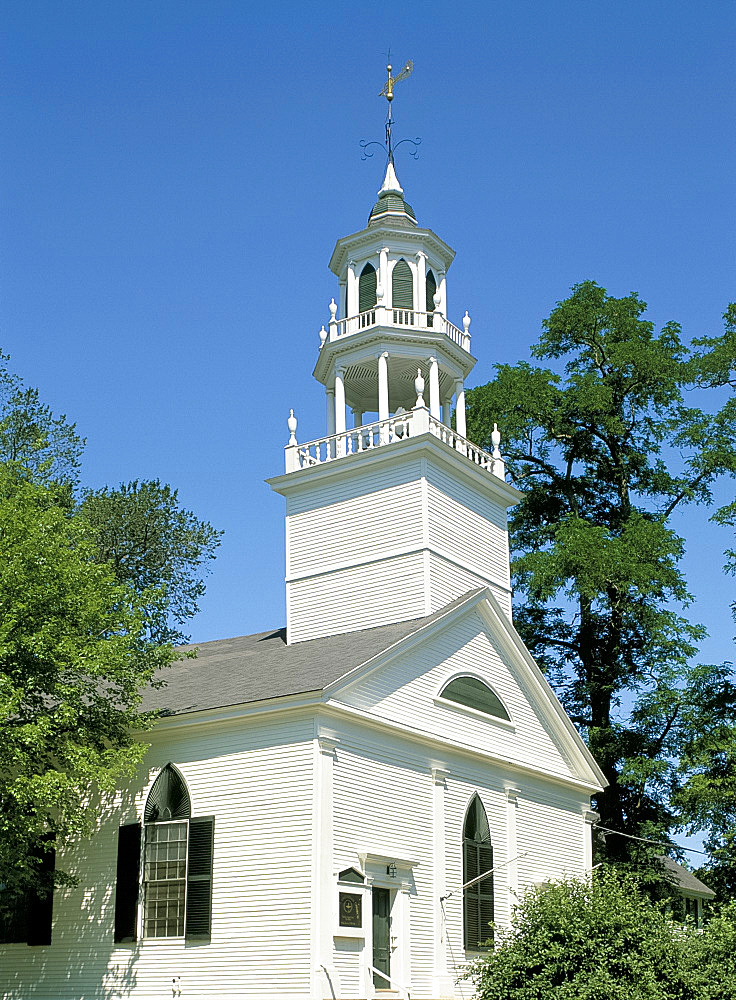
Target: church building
{"type": "Point", "coordinates": [342, 808]}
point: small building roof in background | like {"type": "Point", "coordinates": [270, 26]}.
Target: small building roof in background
{"type": "Point", "coordinates": [685, 880]}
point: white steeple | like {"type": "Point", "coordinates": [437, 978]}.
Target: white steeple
{"type": "Point", "coordinates": [393, 513]}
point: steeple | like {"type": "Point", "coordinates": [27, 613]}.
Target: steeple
{"type": "Point", "coordinates": [394, 513]}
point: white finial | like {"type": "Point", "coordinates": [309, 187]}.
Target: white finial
{"type": "Point", "coordinates": [496, 441]}
{"type": "Point", "coordinates": [437, 298]}
{"type": "Point", "coordinates": [419, 386]}
{"type": "Point", "coordinates": [379, 293]}
{"type": "Point", "coordinates": [291, 424]}
{"type": "Point", "coordinates": [466, 323]}
{"type": "Point", "coordinates": [333, 310]}
{"type": "Point", "coordinates": [322, 337]}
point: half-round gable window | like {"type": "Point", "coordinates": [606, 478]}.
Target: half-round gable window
{"type": "Point", "coordinates": [474, 693]}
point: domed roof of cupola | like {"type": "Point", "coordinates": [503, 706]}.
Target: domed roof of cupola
{"type": "Point", "coordinates": [391, 205]}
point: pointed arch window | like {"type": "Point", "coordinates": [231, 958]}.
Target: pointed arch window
{"type": "Point", "coordinates": [431, 284]}
{"type": "Point", "coordinates": [177, 852]}
{"type": "Point", "coordinates": [402, 286]}
{"type": "Point", "coordinates": [471, 692]}
{"type": "Point", "coordinates": [367, 288]}
{"type": "Point", "coordinates": [477, 859]}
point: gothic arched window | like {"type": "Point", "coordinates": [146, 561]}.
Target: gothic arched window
{"type": "Point", "coordinates": [431, 285]}
{"type": "Point", "coordinates": [367, 288]}
{"type": "Point", "coordinates": [477, 859]}
{"type": "Point", "coordinates": [402, 286]}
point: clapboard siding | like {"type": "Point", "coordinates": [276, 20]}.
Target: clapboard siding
{"type": "Point", "coordinates": [356, 598]}
{"type": "Point", "coordinates": [551, 827]}
{"type": "Point", "coordinates": [256, 779]}
{"type": "Point", "coordinates": [473, 538]}
{"type": "Point", "coordinates": [340, 488]}
{"type": "Point", "coordinates": [383, 804]}
{"type": "Point", "coordinates": [447, 581]}
{"type": "Point", "coordinates": [404, 689]}
{"type": "Point", "coordinates": [354, 530]}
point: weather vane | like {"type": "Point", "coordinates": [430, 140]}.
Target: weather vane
{"type": "Point", "coordinates": [388, 93]}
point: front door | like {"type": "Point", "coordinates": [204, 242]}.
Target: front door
{"type": "Point", "coordinates": [381, 936]}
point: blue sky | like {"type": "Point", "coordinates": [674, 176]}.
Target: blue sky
{"type": "Point", "coordinates": [175, 175]}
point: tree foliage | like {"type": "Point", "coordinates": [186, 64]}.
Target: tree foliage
{"type": "Point", "coordinates": [604, 938]}
{"type": "Point", "coordinates": [94, 591]}
{"type": "Point", "coordinates": [606, 448]}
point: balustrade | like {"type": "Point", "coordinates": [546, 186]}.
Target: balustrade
{"type": "Point", "coordinates": [404, 318]}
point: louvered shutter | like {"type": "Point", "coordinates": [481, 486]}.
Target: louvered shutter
{"type": "Point", "coordinates": [367, 288]}
{"type": "Point", "coordinates": [402, 286]}
{"type": "Point", "coordinates": [485, 893]}
{"type": "Point", "coordinates": [127, 883]}
{"type": "Point", "coordinates": [431, 289]}
{"type": "Point", "coordinates": [41, 901]}
{"type": "Point", "coordinates": [199, 877]}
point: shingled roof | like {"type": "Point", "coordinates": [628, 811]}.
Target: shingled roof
{"type": "Point", "coordinates": [257, 667]}
{"type": "Point", "coordinates": [685, 880]}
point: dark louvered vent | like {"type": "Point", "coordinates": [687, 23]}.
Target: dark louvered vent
{"type": "Point", "coordinates": [41, 901]}
{"type": "Point", "coordinates": [477, 859]}
{"type": "Point", "coordinates": [199, 877]}
{"type": "Point", "coordinates": [126, 886]}
{"type": "Point", "coordinates": [431, 289]}
{"type": "Point", "coordinates": [402, 286]}
{"type": "Point", "coordinates": [169, 798]}
{"type": "Point", "coordinates": [367, 288]}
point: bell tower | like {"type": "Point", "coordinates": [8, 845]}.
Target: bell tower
{"type": "Point", "coordinates": [392, 514]}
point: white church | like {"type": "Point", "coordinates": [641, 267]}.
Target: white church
{"type": "Point", "coordinates": [341, 808]}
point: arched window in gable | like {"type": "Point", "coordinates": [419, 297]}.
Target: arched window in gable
{"type": "Point", "coordinates": [474, 693]}
{"type": "Point", "coordinates": [431, 285]}
{"type": "Point", "coordinates": [402, 286]}
{"type": "Point", "coordinates": [367, 288]}
{"type": "Point", "coordinates": [477, 859]}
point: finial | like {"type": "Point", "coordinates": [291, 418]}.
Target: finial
{"type": "Point", "coordinates": [291, 424]}
{"type": "Point", "coordinates": [419, 386]}
{"type": "Point", "coordinates": [333, 310]}
{"type": "Point", "coordinates": [466, 322]}
{"type": "Point", "coordinates": [322, 337]}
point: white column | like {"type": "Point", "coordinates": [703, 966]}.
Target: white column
{"type": "Point", "coordinates": [441, 982]}
{"type": "Point", "coordinates": [357, 417]}
{"type": "Point", "coordinates": [383, 412]}
{"type": "Point", "coordinates": [383, 276]}
{"type": "Point", "coordinates": [442, 289]}
{"type": "Point", "coordinates": [420, 284]}
{"type": "Point", "coordinates": [339, 401]}
{"type": "Point", "coordinates": [434, 388]}
{"type": "Point", "coordinates": [330, 396]}
{"type": "Point", "coordinates": [323, 974]}
{"type": "Point", "coordinates": [590, 818]}
{"type": "Point", "coordinates": [460, 408]}
{"type": "Point", "coordinates": [352, 290]}
{"type": "Point", "coordinates": [512, 846]}
{"type": "Point", "coordinates": [343, 303]}
{"type": "Point", "coordinates": [447, 411]}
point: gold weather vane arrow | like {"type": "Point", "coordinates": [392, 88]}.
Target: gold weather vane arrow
{"type": "Point", "coordinates": [388, 87]}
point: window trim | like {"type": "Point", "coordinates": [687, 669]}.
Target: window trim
{"type": "Point", "coordinates": [443, 702]}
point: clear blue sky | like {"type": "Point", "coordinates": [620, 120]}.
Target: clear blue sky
{"type": "Point", "coordinates": [175, 174]}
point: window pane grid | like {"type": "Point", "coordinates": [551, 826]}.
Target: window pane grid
{"type": "Point", "coordinates": [164, 876]}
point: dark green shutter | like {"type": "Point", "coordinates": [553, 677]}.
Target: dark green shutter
{"type": "Point", "coordinates": [41, 901]}
{"type": "Point", "coordinates": [128, 881]}
{"type": "Point", "coordinates": [478, 898]}
{"type": "Point", "coordinates": [431, 289]}
{"type": "Point", "coordinates": [367, 288]}
{"type": "Point", "coordinates": [199, 877]}
{"type": "Point", "coordinates": [402, 286]}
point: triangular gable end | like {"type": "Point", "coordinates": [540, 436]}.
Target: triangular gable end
{"type": "Point", "coordinates": [402, 685]}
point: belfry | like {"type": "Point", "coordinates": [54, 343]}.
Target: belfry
{"type": "Point", "coordinates": [393, 513]}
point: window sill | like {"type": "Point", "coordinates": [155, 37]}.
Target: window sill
{"type": "Point", "coordinates": [466, 710]}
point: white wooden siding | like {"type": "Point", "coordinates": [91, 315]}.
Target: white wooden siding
{"type": "Point", "coordinates": [551, 827]}
{"type": "Point", "coordinates": [404, 689]}
{"type": "Point", "coordinates": [360, 483]}
{"type": "Point", "coordinates": [447, 581]}
{"type": "Point", "coordinates": [356, 598]}
{"type": "Point", "coordinates": [256, 779]}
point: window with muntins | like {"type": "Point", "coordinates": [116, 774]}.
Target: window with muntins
{"type": "Point", "coordinates": [477, 859]}
{"type": "Point", "coordinates": [474, 693]}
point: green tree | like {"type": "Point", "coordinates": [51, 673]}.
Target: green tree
{"type": "Point", "coordinates": [156, 547]}
{"type": "Point", "coordinates": [75, 655]}
{"type": "Point", "coordinates": [605, 939]}
{"type": "Point", "coordinates": [606, 449]}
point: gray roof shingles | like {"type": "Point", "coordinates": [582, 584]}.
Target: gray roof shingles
{"type": "Point", "coordinates": [258, 667]}
{"type": "Point", "coordinates": [684, 878]}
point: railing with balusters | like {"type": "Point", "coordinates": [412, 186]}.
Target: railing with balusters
{"type": "Point", "coordinates": [405, 318]}
{"type": "Point", "coordinates": [384, 432]}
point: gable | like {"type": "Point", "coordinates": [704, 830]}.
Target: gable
{"type": "Point", "coordinates": [406, 689]}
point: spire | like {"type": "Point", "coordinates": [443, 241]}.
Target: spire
{"type": "Point", "coordinates": [391, 206]}
{"type": "Point", "coordinates": [391, 181]}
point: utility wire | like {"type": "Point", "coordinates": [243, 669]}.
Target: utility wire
{"type": "Point", "coordinates": [646, 840]}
